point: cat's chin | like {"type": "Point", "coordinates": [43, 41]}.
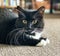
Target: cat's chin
{"type": "Point", "coordinates": [37, 35]}
{"type": "Point", "coordinates": [43, 42]}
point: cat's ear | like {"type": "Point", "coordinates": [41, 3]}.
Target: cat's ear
{"type": "Point", "coordinates": [20, 11]}
{"type": "Point", "coordinates": [19, 8]}
{"type": "Point", "coordinates": [40, 11]}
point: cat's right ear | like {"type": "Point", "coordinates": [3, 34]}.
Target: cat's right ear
{"type": "Point", "coordinates": [20, 11]}
{"type": "Point", "coordinates": [19, 8]}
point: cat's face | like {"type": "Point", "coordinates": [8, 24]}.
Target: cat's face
{"type": "Point", "coordinates": [30, 20]}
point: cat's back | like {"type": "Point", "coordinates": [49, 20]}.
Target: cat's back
{"type": "Point", "coordinates": [7, 20]}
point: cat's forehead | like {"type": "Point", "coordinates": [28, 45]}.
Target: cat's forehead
{"type": "Point", "coordinates": [30, 10]}
{"type": "Point", "coordinates": [29, 13]}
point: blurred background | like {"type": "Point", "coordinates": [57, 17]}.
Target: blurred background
{"type": "Point", "coordinates": [52, 6]}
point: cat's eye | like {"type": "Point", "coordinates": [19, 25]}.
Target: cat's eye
{"type": "Point", "coordinates": [34, 21]}
{"type": "Point", "coordinates": [24, 21]}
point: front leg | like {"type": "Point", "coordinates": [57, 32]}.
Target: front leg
{"type": "Point", "coordinates": [40, 40]}
{"type": "Point", "coordinates": [43, 42]}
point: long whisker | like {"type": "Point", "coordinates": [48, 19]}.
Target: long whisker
{"type": "Point", "coordinates": [10, 35]}
{"type": "Point", "coordinates": [18, 34]}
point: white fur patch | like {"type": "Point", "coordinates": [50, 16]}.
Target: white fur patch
{"type": "Point", "coordinates": [43, 42]}
{"type": "Point", "coordinates": [37, 35]}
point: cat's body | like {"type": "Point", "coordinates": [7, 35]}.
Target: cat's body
{"type": "Point", "coordinates": [29, 28]}
{"type": "Point", "coordinates": [7, 23]}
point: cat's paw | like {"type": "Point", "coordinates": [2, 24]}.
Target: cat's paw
{"type": "Point", "coordinates": [43, 42]}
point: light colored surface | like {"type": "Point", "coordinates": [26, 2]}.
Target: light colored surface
{"type": "Point", "coordinates": [51, 31]}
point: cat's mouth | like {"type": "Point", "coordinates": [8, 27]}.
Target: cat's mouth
{"type": "Point", "coordinates": [30, 33]}
{"type": "Point", "coordinates": [35, 34]}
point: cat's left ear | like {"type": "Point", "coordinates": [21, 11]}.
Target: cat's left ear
{"type": "Point", "coordinates": [40, 11]}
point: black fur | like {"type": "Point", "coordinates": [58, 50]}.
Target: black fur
{"type": "Point", "coordinates": [13, 30]}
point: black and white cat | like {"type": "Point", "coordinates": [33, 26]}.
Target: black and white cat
{"type": "Point", "coordinates": [29, 28]}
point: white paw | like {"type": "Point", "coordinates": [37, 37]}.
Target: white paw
{"type": "Point", "coordinates": [43, 42]}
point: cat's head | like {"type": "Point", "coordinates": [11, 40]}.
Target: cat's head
{"type": "Point", "coordinates": [30, 19]}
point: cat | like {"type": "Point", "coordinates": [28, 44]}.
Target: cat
{"type": "Point", "coordinates": [29, 28]}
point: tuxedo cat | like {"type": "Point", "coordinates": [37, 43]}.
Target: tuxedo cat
{"type": "Point", "coordinates": [29, 28]}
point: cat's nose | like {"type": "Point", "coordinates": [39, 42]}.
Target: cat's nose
{"type": "Point", "coordinates": [30, 26]}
